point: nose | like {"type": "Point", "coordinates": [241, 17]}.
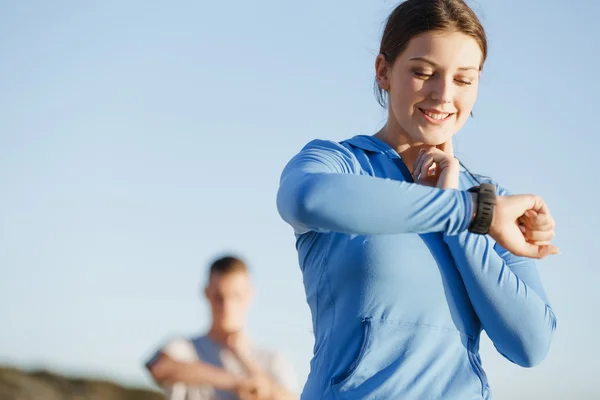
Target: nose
{"type": "Point", "coordinates": [230, 306]}
{"type": "Point", "coordinates": [442, 90]}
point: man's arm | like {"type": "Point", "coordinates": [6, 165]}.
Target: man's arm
{"type": "Point", "coordinates": [167, 370]}
{"type": "Point", "coordinates": [268, 387]}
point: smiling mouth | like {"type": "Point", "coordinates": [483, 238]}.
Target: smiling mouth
{"type": "Point", "coordinates": [434, 115]}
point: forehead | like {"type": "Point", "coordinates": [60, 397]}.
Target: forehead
{"type": "Point", "coordinates": [232, 280]}
{"type": "Point", "coordinates": [451, 50]}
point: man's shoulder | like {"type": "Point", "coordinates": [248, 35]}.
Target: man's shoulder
{"type": "Point", "coordinates": [182, 348]}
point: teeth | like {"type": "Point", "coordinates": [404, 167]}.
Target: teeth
{"type": "Point", "coordinates": [437, 116]}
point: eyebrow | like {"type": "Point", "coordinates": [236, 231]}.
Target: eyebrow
{"type": "Point", "coordinates": [426, 60]}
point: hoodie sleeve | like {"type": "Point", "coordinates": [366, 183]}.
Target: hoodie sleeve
{"type": "Point", "coordinates": [322, 189]}
{"type": "Point", "coordinates": [507, 295]}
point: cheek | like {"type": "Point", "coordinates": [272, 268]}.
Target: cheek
{"type": "Point", "coordinates": [465, 106]}
{"type": "Point", "coordinates": [406, 92]}
{"type": "Point", "coordinates": [466, 102]}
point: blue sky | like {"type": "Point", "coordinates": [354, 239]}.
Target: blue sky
{"type": "Point", "coordinates": [139, 140]}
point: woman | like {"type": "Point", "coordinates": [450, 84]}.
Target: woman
{"type": "Point", "coordinates": [405, 255]}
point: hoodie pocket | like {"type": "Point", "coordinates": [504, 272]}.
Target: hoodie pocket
{"type": "Point", "coordinates": [340, 379]}
{"type": "Point", "coordinates": [399, 360]}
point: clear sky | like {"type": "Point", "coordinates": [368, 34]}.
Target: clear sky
{"type": "Point", "coordinates": [140, 139]}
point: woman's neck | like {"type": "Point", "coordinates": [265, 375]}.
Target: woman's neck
{"type": "Point", "coordinates": [395, 137]}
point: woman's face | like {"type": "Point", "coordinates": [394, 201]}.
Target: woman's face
{"type": "Point", "coordinates": [432, 85]}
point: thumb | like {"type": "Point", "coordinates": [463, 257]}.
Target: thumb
{"type": "Point", "coordinates": [533, 251]}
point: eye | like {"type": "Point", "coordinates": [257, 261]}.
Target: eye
{"type": "Point", "coordinates": [463, 82]}
{"type": "Point", "coordinates": [422, 75]}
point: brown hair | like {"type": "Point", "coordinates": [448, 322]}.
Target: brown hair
{"type": "Point", "coordinates": [414, 17]}
{"type": "Point", "coordinates": [227, 265]}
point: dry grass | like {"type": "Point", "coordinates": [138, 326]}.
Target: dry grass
{"type": "Point", "coordinates": [42, 385]}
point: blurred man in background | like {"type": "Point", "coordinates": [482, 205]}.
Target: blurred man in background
{"type": "Point", "coordinates": [223, 364]}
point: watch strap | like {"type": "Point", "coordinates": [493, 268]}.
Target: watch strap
{"type": "Point", "coordinates": [486, 202]}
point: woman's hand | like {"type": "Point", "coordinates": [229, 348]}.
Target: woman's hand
{"type": "Point", "coordinates": [522, 224]}
{"type": "Point", "coordinates": [437, 167]}
{"type": "Point", "coordinates": [537, 227]}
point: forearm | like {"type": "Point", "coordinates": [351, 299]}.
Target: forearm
{"type": "Point", "coordinates": [512, 308]}
{"type": "Point", "coordinates": [277, 392]}
{"type": "Point", "coordinates": [195, 374]}
{"type": "Point", "coordinates": [280, 393]}
{"type": "Point", "coordinates": [364, 205]}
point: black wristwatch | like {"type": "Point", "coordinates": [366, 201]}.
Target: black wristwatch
{"type": "Point", "coordinates": [484, 209]}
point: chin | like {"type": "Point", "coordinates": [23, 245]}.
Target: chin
{"type": "Point", "coordinates": [431, 137]}
{"type": "Point", "coordinates": [232, 328]}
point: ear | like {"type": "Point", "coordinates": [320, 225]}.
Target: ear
{"type": "Point", "coordinates": [206, 292]}
{"type": "Point", "coordinates": [381, 72]}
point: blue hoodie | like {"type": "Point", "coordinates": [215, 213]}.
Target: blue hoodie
{"type": "Point", "coordinates": [398, 289]}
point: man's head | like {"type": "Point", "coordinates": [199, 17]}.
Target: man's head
{"type": "Point", "coordinates": [229, 292]}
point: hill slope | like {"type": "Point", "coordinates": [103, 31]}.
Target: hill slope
{"type": "Point", "coordinates": [16, 384]}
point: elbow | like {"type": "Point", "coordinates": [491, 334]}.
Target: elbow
{"type": "Point", "coordinates": [161, 370]}
{"type": "Point", "coordinates": [531, 356]}
{"type": "Point", "coordinates": [297, 205]}
{"type": "Point", "coordinates": [533, 351]}
{"type": "Point", "coordinates": [158, 374]}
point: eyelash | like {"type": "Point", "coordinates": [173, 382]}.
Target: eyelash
{"type": "Point", "coordinates": [421, 75]}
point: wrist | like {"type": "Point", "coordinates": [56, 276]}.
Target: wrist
{"type": "Point", "coordinates": [232, 383]}
{"type": "Point", "coordinates": [453, 164]}
{"type": "Point", "coordinates": [499, 200]}
{"type": "Point", "coordinates": [485, 205]}
{"type": "Point", "coordinates": [474, 198]}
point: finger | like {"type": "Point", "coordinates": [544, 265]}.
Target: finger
{"type": "Point", "coordinates": [426, 165]}
{"type": "Point", "coordinates": [535, 216]}
{"type": "Point", "coordinates": [548, 250]}
{"type": "Point", "coordinates": [538, 252]}
{"type": "Point", "coordinates": [539, 205]}
{"type": "Point", "coordinates": [537, 236]}
{"type": "Point", "coordinates": [249, 396]}
{"type": "Point", "coordinates": [527, 218]}
{"type": "Point", "coordinates": [527, 228]}
{"type": "Point", "coordinates": [540, 222]}
{"type": "Point", "coordinates": [423, 154]}
{"type": "Point", "coordinates": [541, 243]}
{"type": "Point", "coordinates": [430, 170]}
{"type": "Point", "coordinates": [433, 169]}
{"type": "Point", "coordinates": [417, 167]}
{"type": "Point", "coordinates": [534, 237]}
{"type": "Point", "coordinates": [530, 214]}
{"type": "Point", "coordinates": [417, 164]}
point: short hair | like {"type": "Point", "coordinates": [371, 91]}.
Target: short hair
{"type": "Point", "coordinates": [227, 265]}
